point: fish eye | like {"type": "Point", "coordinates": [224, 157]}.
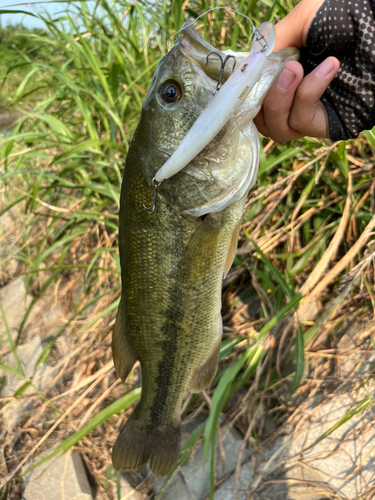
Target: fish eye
{"type": "Point", "coordinates": [170, 92]}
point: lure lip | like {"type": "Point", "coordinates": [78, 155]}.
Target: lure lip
{"type": "Point", "coordinates": [223, 105]}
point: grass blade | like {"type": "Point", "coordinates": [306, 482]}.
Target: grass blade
{"type": "Point", "coordinates": [121, 404]}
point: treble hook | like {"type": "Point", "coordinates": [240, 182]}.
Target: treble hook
{"type": "Point", "coordinates": [259, 37]}
{"type": "Point", "coordinates": [223, 62]}
{"type": "Point", "coordinates": [153, 207]}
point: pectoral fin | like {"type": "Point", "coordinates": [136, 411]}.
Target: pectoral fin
{"type": "Point", "coordinates": [122, 356]}
{"type": "Point", "coordinates": [232, 249]}
{"type": "Point", "coordinates": [201, 249]}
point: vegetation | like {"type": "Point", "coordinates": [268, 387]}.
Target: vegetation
{"type": "Point", "coordinates": [307, 228]}
{"type": "Point", "coordinates": [18, 49]}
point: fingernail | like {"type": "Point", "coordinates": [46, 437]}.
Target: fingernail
{"type": "Point", "coordinates": [285, 79]}
{"type": "Point", "coordinates": [324, 68]}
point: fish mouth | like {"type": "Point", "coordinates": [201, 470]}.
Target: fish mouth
{"type": "Point", "coordinates": [288, 54]}
{"type": "Point", "coordinates": [198, 49]}
{"type": "Point", "coordinates": [224, 105]}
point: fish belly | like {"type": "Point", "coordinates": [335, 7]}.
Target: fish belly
{"type": "Point", "coordinates": [169, 318]}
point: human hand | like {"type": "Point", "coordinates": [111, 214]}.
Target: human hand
{"type": "Point", "coordinates": [292, 107]}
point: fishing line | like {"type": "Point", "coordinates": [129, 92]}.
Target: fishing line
{"type": "Point", "coordinates": [255, 32]}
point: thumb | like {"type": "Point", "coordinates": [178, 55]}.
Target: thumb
{"type": "Point", "coordinates": [285, 35]}
{"type": "Point", "coordinates": [292, 30]}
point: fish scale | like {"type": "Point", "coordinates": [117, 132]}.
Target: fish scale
{"type": "Point", "coordinates": [173, 262]}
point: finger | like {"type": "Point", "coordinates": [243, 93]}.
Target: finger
{"type": "Point", "coordinates": [279, 102]}
{"type": "Point", "coordinates": [308, 115]}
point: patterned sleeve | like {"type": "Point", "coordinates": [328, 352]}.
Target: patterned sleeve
{"type": "Point", "coordinates": [345, 29]}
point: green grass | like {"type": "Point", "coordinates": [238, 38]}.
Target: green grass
{"type": "Point", "coordinates": [19, 48]}
{"type": "Point", "coordinates": [81, 92]}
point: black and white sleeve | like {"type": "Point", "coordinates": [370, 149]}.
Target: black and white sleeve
{"type": "Point", "coordinates": [345, 29]}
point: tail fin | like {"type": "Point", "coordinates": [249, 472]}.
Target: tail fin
{"type": "Point", "coordinates": [137, 444]}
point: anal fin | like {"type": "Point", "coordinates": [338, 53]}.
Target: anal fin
{"type": "Point", "coordinates": [204, 374]}
{"type": "Point", "coordinates": [122, 356]}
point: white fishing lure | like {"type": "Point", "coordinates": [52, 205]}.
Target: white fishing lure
{"type": "Point", "coordinates": [223, 105]}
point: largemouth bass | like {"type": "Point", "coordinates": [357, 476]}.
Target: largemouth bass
{"type": "Point", "coordinates": [173, 261]}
